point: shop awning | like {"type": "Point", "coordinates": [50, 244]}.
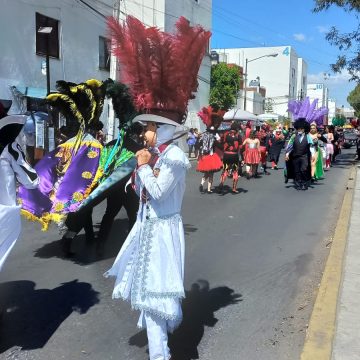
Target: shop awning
{"type": "Point", "coordinates": [38, 93]}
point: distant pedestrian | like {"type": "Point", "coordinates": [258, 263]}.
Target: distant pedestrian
{"type": "Point", "coordinates": [209, 160]}
{"type": "Point", "coordinates": [299, 154]}
{"type": "Point", "coordinates": [264, 136]}
{"type": "Point", "coordinates": [197, 143]}
{"type": "Point", "coordinates": [252, 154]}
{"type": "Point", "coordinates": [329, 145]}
{"type": "Point", "coordinates": [231, 161]}
{"type": "Point", "coordinates": [277, 142]}
{"type": "Point", "coordinates": [191, 141]}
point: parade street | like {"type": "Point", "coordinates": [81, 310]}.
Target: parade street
{"type": "Point", "coordinates": [253, 263]}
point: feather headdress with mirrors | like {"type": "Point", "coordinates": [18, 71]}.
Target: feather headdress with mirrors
{"type": "Point", "coordinates": [160, 68]}
{"type": "Point", "coordinates": [211, 118]}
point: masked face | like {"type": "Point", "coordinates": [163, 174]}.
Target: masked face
{"type": "Point", "coordinates": [150, 135]}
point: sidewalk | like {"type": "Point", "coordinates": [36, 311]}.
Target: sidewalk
{"type": "Point", "coordinates": [334, 326]}
{"type": "Point", "coordinates": [346, 344]}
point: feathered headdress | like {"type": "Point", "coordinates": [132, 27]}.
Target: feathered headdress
{"type": "Point", "coordinates": [210, 117]}
{"type": "Point", "coordinates": [122, 103]}
{"type": "Point", "coordinates": [79, 102]}
{"type": "Point", "coordinates": [160, 68]}
{"type": "Point", "coordinates": [305, 109]}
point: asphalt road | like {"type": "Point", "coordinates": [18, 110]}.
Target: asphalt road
{"type": "Point", "coordinates": [253, 263]}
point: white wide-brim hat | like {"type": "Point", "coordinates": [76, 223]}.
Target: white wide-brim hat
{"type": "Point", "coordinates": [145, 118]}
{"type": "Point", "coordinates": [12, 120]}
{"type": "Point", "coordinates": [180, 130]}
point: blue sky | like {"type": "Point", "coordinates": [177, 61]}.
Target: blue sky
{"type": "Point", "coordinates": [252, 23]}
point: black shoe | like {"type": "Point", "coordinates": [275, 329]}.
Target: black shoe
{"type": "Point", "coordinates": [304, 187]}
{"type": "Point", "coordinates": [266, 173]}
{"type": "Point", "coordinates": [248, 176]}
{"type": "Point", "coordinates": [201, 188]}
{"type": "Point", "coordinates": [286, 180]}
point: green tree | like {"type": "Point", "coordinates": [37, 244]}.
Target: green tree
{"type": "Point", "coordinates": [339, 120]}
{"type": "Point", "coordinates": [348, 43]}
{"type": "Point", "coordinates": [224, 86]}
{"type": "Point", "coordinates": [354, 100]}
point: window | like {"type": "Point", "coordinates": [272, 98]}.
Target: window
{"type": "Point", "coordinates": [47, 43]}
{"type": "Point", "coordinates": [104, 57]}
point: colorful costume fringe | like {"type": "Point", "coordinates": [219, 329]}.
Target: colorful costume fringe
{"type": "Point", "coordinates": [61, 192]}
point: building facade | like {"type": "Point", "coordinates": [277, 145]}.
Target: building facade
{"type": "Point", "coordinates": [321, 93]}
{"type": "Point", "coordinates": [76, 46]}
{"type": "Point", "coordinates": [279, 70]}
{"type": "Point", "coordinates": [332, 110]}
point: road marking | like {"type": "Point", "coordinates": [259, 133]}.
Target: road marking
{"type": "Point", "coordinates": [320, 334]}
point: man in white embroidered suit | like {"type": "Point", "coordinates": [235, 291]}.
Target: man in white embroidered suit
{"type": "Point", "coordinates": [150, 264]}
{"type": "Point", "coordinates": [13, 166]}
{"type": "Point", "coordinates": [161, 71]}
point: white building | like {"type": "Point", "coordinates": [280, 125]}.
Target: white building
{"type": "Point", "coordinates": [301, 79]}
{"type": "Point", "coordinates": [332, 110]}
{"type": "Point", "coordinates": [279, 75]}
{"type": "Point", "coordinates": [320, 92]}
{"type": "Point", "coordinates": [76, 45]}
{"type": "Point", "coordinates": [164, 14]}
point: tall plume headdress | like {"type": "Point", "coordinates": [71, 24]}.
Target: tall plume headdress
{"type": "Point", "coordinates": [307, 110]}
{"type": "Point", "coordinates": [160, 68]}
{"type": "Point", "coordinates": [210, 117]}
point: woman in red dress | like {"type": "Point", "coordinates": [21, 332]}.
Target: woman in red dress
{"type": "Point", "coordinates": [252, 154]}
{"type": "Point", "coordinates": [209, 160]}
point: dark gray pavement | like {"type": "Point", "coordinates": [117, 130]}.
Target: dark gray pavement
{"type": "Point", "coordinates": [253, 261]}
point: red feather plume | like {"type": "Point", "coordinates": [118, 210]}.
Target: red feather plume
{"type": "Point", "coordinates": [160, 68]}
{"type": "Point", "coordinates": [210, 117]}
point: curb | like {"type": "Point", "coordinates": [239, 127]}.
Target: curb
{"type": "Point", "coordinates": [321, 330]}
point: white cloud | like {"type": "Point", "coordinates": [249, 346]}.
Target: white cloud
{"type": "Point", "coordinates": [323, 29]}
{"type": "Point", "coordinates": [332, 79]}
{"type": "Point", "coordinates": [300, 37]}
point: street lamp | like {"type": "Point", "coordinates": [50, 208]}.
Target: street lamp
{"type": "Point", "coordinates": [46, 30]}
{"type": "Point", "coordinates": [245, 75]}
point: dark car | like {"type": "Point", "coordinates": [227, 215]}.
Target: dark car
{"type": "Point", "coordinates": [350, 139]}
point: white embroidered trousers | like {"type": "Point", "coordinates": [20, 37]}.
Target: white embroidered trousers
{"type": "Point", "coordinates": [156, 328]}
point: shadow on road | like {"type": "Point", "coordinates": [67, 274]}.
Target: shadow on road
{"type": "Point", "coordinates": [29, 317]}
{"type": "Point", "coordinates": [228, 190]}
{"type": "Point", "coordinates": [85, 252]}
{"type": "Point", "coordinates": [199, 309]}
{"type": "Point", "coordinates": [189, 229]}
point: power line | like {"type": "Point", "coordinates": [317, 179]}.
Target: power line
{"type": "Point", "coordinates": [92, 8]}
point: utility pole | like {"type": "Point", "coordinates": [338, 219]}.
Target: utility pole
{"type": "Point", "coordinates": [113, 75]}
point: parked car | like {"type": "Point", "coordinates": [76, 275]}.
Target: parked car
{"type": "Point", "coordinates": [350, 139]}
